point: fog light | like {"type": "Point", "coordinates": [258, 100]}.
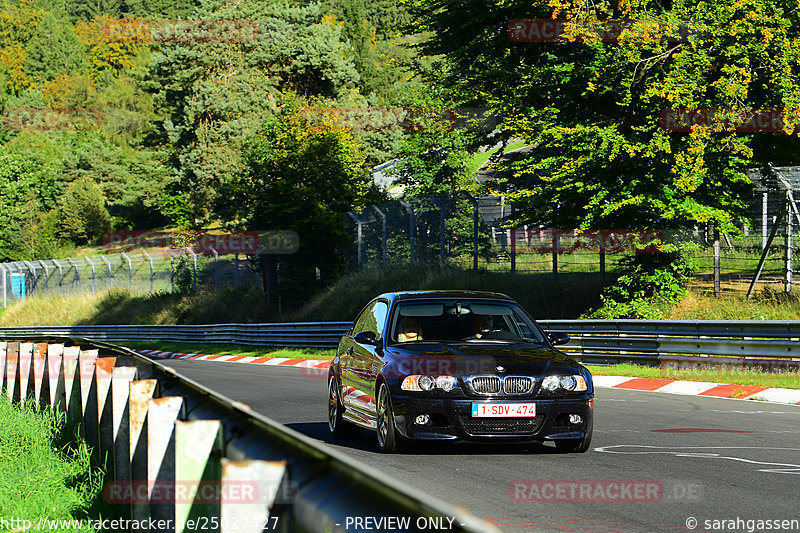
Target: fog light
{"type": "Point", "coordinates": [575, 419]}
{"type": "Point", "coordinates": [422, 420]}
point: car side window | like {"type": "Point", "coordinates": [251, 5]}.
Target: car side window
{"type": "Point", "coordinates": [375, 318]}
{"type": "Point", "coordinates": [358, 323]}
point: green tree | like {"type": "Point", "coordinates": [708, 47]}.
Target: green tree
{"type": "Point", "coordinates": [83, 214]}
{"type": "Point", "coordinates": [54, 49]}
{"type": "Point", "coordinates": [28, 190]}
{"type": "Point", "coordinates": [215, 93]}
{"type": "Point", "coordinates": [592, 108]}
{"type": "Point", "coordinates": [303, 176]}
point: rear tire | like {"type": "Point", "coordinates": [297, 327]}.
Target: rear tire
{"type": "Point", "coordinates": [338, 426]}
{"type": "Point", "coordinates": [388, 439]}
{"type": "Point", "coordinates": [574, 445]}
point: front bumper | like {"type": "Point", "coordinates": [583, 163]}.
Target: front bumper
{"type": "Point", "coordinates": [452, 419]}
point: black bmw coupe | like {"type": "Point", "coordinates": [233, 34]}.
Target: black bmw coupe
{"type": "Point", "coordinates": [448, 365]}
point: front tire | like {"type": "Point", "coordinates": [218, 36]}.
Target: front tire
{"type": "Point", "coordinates": [338, 426]}
{"type": "Point", "coordinates": [388, 440]}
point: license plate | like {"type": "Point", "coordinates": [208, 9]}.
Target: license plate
{"type": "Point", "coordinates": [503, 410]}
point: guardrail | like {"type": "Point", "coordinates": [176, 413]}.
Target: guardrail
{"type": "Point", "coordinates": [766, 343]}
{"type": "Point", "coordinates": [185, 458]}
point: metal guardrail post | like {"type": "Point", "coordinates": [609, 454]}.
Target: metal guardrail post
{"type": "Point", "coordinates": [22, 373]}
{"type": "Point", "coordinates": [171, 271]}
{"type": "Point", "coordinates": [716, 261]}
{"type": "Point", "coordinates": [46, 275]}
{"type": "Point", "coordinates": [34, 278]}
{"type": "Point", "coordinates": [130, 270]}
{"type": "Point", "coordinates": [411, 229]}
{"type": "Point", "coordinates": [108, 264]}
{"type": "Point", "coordinates": [150, 259]}
{"type": "Point", "coordinates": [60, 274]}
{"type": "Point", "coordinates": [442, 245]}
{"type": "Point", "coordinates": [194, 269]}
{"type": "Point", "coordinates": [77, 276]}
{"type": "Point", "coordinates": [216, 268]}
{"type": "Point", "coordinates": [91, 263]}
{"type": "Point", "coordinates": [384, 234]}
{"type": "Point", "coordinates": [359, 238]}
{"type": "Point", "coordinates": [788, 245]}
{"type": "Point", "coordinates": [5, 301]}
{"type": "Point", "coordinates": [475, 224]}
{"type": "Point", "coordinates": [764, 210]}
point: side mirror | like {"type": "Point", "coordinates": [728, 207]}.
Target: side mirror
{"type": "Point", "coordinates": [366, 337]}
{"type": "Point", "coordinates": [558, 337]}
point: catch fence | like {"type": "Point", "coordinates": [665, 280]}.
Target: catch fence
{"type": "Point", "coordinates": [141, 271]}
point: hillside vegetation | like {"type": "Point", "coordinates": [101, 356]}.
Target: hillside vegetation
{"type": "Point", "coordinates": [568, 296]}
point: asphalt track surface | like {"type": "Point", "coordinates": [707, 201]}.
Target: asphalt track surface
{"type": "Point", "coordinates": [670, 458]}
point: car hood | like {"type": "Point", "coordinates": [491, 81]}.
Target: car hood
{"type": "Point", "coordinates": [464, 359]}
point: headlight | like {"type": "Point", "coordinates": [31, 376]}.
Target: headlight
{"type": "Point", "coordinates": [446, 383]}
{"type": "Point", "coordinates": [550, 383]}
{"type": "Point", "coordinates": [568, 383]}
{"type": "Point", "coordinates": [428, 383]}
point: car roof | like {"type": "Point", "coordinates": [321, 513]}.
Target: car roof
{"type": "Point", "coordinates": [405, 295]}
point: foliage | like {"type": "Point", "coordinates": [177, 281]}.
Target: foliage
{"type": "Point", "coordinates": [29, 190]}
{"type": "Point", "coordinates": [55, 49]}
{"type": "Point", "coordinates": [83, 214]}
{"type": "Point", "coordinates": [214, 96]}
{"type": "Point", "coordinates": [303, 176]}
{"type": "Point", "coordinates": [650, 283]}
{"type": "Point", "coordinates": [592, 108]}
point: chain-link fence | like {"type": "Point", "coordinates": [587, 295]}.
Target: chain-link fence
{"type": "Point", "coordinates": [139, 271]}
{"type": "Point", "coordinates": [471, 233]}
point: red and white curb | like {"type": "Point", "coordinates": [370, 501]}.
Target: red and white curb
{"type": "Point", "coordinates": [279, 361]}
{"type": "Point", "coordinates": [669, 386]}
{"type": "Point", "coordinates": [700, 388]}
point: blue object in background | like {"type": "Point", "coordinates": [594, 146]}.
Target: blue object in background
{"type": "Point", "coordinates": [18, 286]}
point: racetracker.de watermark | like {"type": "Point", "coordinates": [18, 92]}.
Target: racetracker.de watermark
{"type": "Point", "coordinates": [603, 491]}
{"type": "Point", "coordinates": [567, 241]}
{"type": "Point", "coordinates": [435, 367]}
{"type": "Point", "coordinates": [47, 119]}
{"type": "Point", "coordinates": [403, 119]}
{"type": "Point", "coordinates": [730, 120]}
{"type": "Point", "coordinates": [197, 492]}
{"type": "Point", "coordinates": [147, 31]}
{"type": "Point", "coordinates": [239, 242]}
{"type": "Point", "coordinates": [605, 31]}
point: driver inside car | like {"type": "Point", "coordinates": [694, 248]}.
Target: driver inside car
{"type": "Point", "coordinates": [410, 330]}
{"type": "Point", "coordinates": [482, 324]}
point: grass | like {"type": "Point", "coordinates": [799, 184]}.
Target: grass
{"type": "Point", "coordinates": [42, 475]}
{"type": "Point", "coordinates": [786, 380]}
{"type": "Point", "coordinates": [767, 304]}
{"type": "Point", "coordinates": [480, 159]}
{"type": "Point", "coordinates": [567, 297]}
{"type": "Point", "coordinates": [233, 349]}
{"type": "Point", "coordinates": [120, 306]}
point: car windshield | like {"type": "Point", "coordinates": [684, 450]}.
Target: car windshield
{"type": "Point", "coordinates": [463, 321]}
